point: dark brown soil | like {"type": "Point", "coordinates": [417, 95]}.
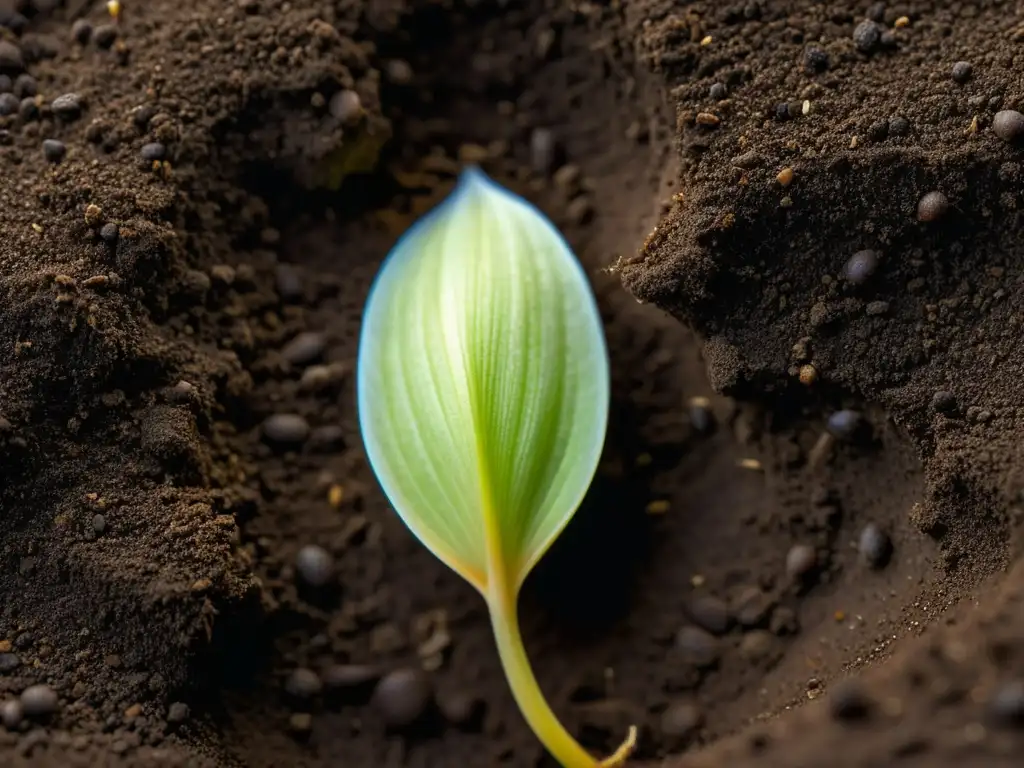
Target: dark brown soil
{"type": "Point", "coordinates": [159, 304]}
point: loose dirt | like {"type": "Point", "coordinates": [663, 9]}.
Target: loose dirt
{"type": "Point", "coordinates": [810, 493]}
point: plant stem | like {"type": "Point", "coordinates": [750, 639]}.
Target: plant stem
{"type": "Point", "coordinates": [528, 695]}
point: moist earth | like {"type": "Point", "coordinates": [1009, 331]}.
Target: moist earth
{"type": "Point", "coordinates": [810, 493]}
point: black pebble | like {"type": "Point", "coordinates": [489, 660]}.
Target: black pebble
{"type": "Point", "coordinates": [8, 104]}
{"type": "Point", "coordinates": [878, 130]}
{"type": "Point", "coordinates": [305, 348]}
{"type": "Point", "coordinates": [286, 429]}
{"type": "Point", "coordinates": [39, 701]}
{"type": "Point", "coordinates": [81, 31]}
{"type": "Point", "coordinates": [697, 647]}
{"type": "Point", "coordinates": [315, 565]}
{"type": "Point", "coordinates": [153, 151]}
{"type": "Point", "coordinates": [303, 683]}
{"type": "Point", "coordinates": [6, 84]}
{"type": "Point", "coordinates": [54, 150]}
{"type": "Point", "coordinates": [8, 662]}
{"type": "Point", "coordinates": [347, 677]}
{"type": "Point", "coordinates": [962, 72]}
{"type": "Point", "coordinates": [898, 126]}
{"type": "Point", "coordinates": [178, 712]}
{"type": "Point", "coordinates": [710, 613]}
{"type": "Point", "coordinates": [849, 701]}
{"type": "Point", "coordinates": [67, 107]}
{"type": "Point", "coordinates": [99, 524]}
{"type": "Point", "coordinates": [815, 59]}
{"type": "Point", "coordinates": [11, 714]}
{"type": "Point", "coordinates": [402, 697]}
{"type": "Point", "coordinates": [329, 437]}
{"type": "Point", "coordinates": [866, 36]}
{"type": "Point", "coordinates": [944, 401]}
{"type": "Point", "coordinates": [1008, 125]}
{"type": "Point", "coordinates": [860, 267]}
{"type": "Point", "coordinates": [718, 91]}
{"type": "Point", "coordinates": [11, 58]}
{"type": "Point", "coordinates": [109, 233]}
{"type": "Point", "coordinates": [875, 546]}
{"type": "Point", "coordinates": [843, 424]}
{"type": "Point", "coordinates": [105, 35]}
{"type": "Point", "coordinates": [932, 206]}
{"type": "Point", "coordinates": [14, 21]}
{"type": "Point", "coordinates": [460, 708]}
{"type": "Point", "coordinates": [25, 85]}
{"type": "Point", "coordinates": [782, 112]}
{"type": "Point", "coordinates": [28, 110]}
{"type": "Point", "coordinates": [1006, 707]}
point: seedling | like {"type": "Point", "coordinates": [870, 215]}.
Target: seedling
{"type": "Point", "coordinates": [483, 393]}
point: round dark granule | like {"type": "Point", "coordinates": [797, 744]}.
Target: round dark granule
{"type": "Point", "coordinates": [710, 613]}
{"type": "Point", "coordinates": [944, 401]}
{"type": "Point", "coordinates": [680, 720]}
{"type": "Point", "coordinates": [888, 39]}
{"type": "Point", "coordinates": [14, 21]}
{"type": "Point", "coordinates": [718, 91]}
{"type": "Point", "coordinates": [849, 701]}
{"type": "Point", "coordinates": [697, 647]}
{"type": "Point", "coordinates": [402, 697]}
{"type": "Point", "coordinates": [782, 112]}
{"type": "Point", "coordinates": [859, 268]}
{"type": "Point", "coordinates": [932, 207]}
{"type": "Point", "coordinates": [54, 150]}
{"type": "Point", "coordinates": [1006, 707]}
{"type": "Point", "coordinates": [305, 348]}
{"type": "Point", "coordinates": [460, 708]}
{"type": "Point", "coordinates": [109, 233]}
{"type": "Point", "coordinates": [843, 424]}
{"type": "Point", "coordinates": [702, 418]}
{"type": "Point", "coordinates": [315, 565]}
{"type": "Point", "coordinates": [329, 437]}
{"type": "Point", "coordinates": [105, 35]}
{"type": "Point", "coordinates": [11, 714]}
{"type": "Point", "coordinates": [303, 683]}
{"type": "Point", "coordinates": [178, 712]}
{"type": "Point", "coordinates": [878, 130]}
{"type": "Point", "coordinates": [350, 676]}
{"type": "Point", "coordinates": [866, 36]}
{"type": "Point", "coordinates": [8, 104]}
{"type": "Point", "coordinates": [8, 662]}
{"type": "Point", "coordinates": [153, 151]}
{"type": "Point", "coordinates": [28, 110]}
{"type": "Point", "coordinates": [99, 524]}
{"type": "Point", "coordinates": [898, 126]}
{"type": "Point", "coordinates": [800, 561]}
{"type": "Point", "coordinates": [67, 107]}
{"type": "Point", "coordinates": [39, 700]}
{"type": "Point", "coordinates": [81, 31]}
{"type": "Point", "coordinates": [1008, 125]}
{"type": "Point", "coordinates": [288, 429]}
{"type": "Point", "coordinates": [11, 58]}
{"type": "Point", "coordinates": [962, 72]}
{"type": "Point", "coordinates": [289, 283]}
{"type": "Point", "coordinates": [815, 59]}
{"type": "Point", "coordinates": [6, 84]}
{"type": "Point", "coordinates": [25, 86]}
{"type": "Point", "coordinates": [874, 546]}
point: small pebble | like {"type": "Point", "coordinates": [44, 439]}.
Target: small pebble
{"type": "Point", "coordinates": [866, 36]}
{"type": "Point", "coordinates": [345, 106]}
{"type": "Point", "coordinates": [808, 374]}
{"type": "Point", "coordinates": [875, 546]}
{"type": "Point", "coordinates": [109, 233]}
{"type": "Point", "coordinates": [849, 701]}
{"type": "Point", "coordinates": [67, 107]}
{"type": "Point", "coordinates": [399, 71]}
{"type": "Point", "coordinates": [286, 429]}
{"type": "Point", "coordinates": [39, 701]}
{"type": "Point", "coordinates": [815, 59]}
{"type": "Point", "coordinates": [543, 151]}
{"type": "Point", "coordinates": [460, 708]}
{"type": "Point", "coordinates": [28, 110]}
{"type": "Point", "coordinates": [702, 418]}
{"type": "Point", "coordinates": [99, 524]}
{"type": "Point", "coordinates": [289, 283]}
{"type": "Point", "coordinates": [932, 206]}
{"type": "Point", "coordinates": [402, 697]}
{"type": "Point", "coordinates": [350, 676]}
{"type": "Point", "coordinates": [1006, 707]}
{"type": "Point", "coordinates": [697, 647]}
{"type": "Point", "coordinates": [6, 84]}
{"type": "Point", "coordinates": [8, 104]}
{"type": "Point", "coordinates": [680, 720]}
{"type": "Point", "coordinates": [300, 723]}
{"type": "Point", "coordinates": [843, 424]}
{"type": "Point", "coordinates": [898, 126]}
{"type": "Point", "coordinates": [718, 91]}
{"type": "Point", "coordinates": [11, 714]}
{"type": "Point", "coordinates": [800, 561]}
{"type": "Point", "coordinates": [944, 401]}
{"type": "Point", "coordinates": [962, 72]}
{"type": "Point", "coordinates": [783, 621]}
{"type": "Point", "coordinates": [329, 437]}
{"type": "Point", "coordinates": [81, 31]}
{"type": "Point", "coordinates": [25, 86]}
{"type": "Point", "coordinates": [782, 112]}
{"type": "Point", "coordinates": [153, 151]}
{"type": "Point", "coordinates": [305, 348]}
{"type": "Point", "coordinates": [860, 267]}
{"type": "Point", "coordinates": [54, 150]}
{"type": "Point", "coordinates": [315, 565]}
{"type": "Point", "coordinates": [303, 683]}
{"type": "Point", "coordinates": [8, 662]}
{"type": "Point", "coordinates": [11, 59]}
{"type": "Point", "coordinates": [757, 646]}
{"type": "Point", "coordinates": [178, 712]}
{"type": "Point", "coordinates": [751, 606]}
{"type": "Point", "coordinates": [1008, 125]}
{"type": "Point", "coordinates": [710, 613]}
{"type": "Point", "coordinates": [105, 35]}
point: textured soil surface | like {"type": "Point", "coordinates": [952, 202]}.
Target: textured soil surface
{"type": "Point", "coordinates": [811, 494]}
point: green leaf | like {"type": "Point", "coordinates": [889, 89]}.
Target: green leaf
{"type": "Point", "coordinates": [483, 383]}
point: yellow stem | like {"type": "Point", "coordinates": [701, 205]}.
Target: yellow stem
{"type": "Point", "coordinates": [528, 695]}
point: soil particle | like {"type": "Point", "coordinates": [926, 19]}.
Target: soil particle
{"type": "Point", "coordinates": [875, 546]}
{"type": "Point", "coordinates": [315, 565]}
{"type": "Point", "coordinates": [402, 697]}
{"type": "Point", "coordinates": [697, 646]}
{"type": "Point", "coordinates": [1008, 125]}
{"type": "Point", "coordinates": [39, 701]}
{"type": "Point", "coordinates": [286, 429]}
